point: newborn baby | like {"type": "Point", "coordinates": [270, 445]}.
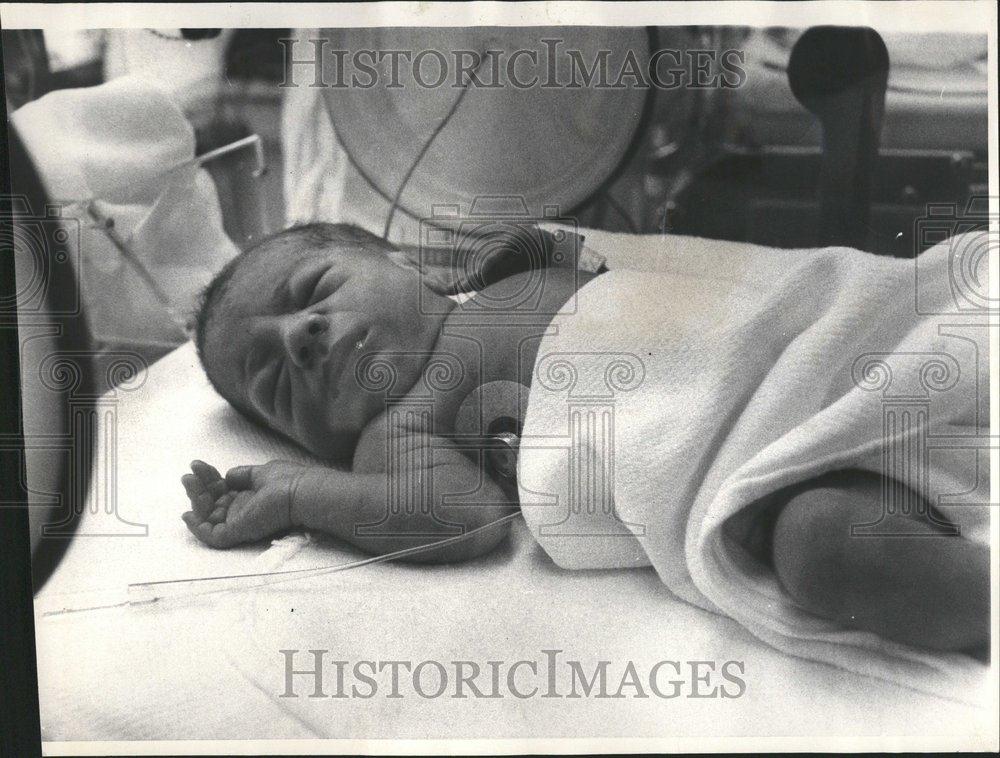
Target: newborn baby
{"type": "Point", "coordinates": [285, 334]}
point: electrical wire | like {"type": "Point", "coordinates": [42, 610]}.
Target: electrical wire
{"type": "Point", "coordinates": [144, 593]}
{"type": "Point", "coordinates": [423, 151]}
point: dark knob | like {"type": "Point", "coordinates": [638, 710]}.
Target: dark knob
{"type": "Point", "coordinates": [839, 73]}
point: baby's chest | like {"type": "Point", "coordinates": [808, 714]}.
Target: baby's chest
{"type": "Point", "coordinates": [473, 393]}
{"type": "Point", "coordinates": [478, 381]}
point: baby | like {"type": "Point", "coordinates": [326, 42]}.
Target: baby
{"type": "Point", "coordinates": [286, 334]}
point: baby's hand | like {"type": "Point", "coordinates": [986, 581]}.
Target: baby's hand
{"type": "Point", "coordinates": [251, 503]}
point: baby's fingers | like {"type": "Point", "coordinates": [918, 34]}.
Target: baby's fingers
{"type": "Point", "coordinates": [201, 500]}
{"type": "Point", "coordinates": [210, 477]}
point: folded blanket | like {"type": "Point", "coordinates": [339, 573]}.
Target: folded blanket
{"type": "Point", "coordinates": [667, 401]}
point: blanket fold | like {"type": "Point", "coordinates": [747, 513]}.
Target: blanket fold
{"type": "Point", "coordinates": [668, 401]}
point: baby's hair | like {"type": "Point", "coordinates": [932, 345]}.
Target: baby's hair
{"type": "Point", "coordinates": [314, 236]}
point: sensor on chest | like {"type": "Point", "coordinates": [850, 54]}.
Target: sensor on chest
{"type": "Point", "coordinates": [495, 411]}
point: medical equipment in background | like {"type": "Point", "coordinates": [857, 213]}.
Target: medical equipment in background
{"type": "Point", "coordinates": [840, 74]}
{"type": "Point", "coordinates": [106, 223]}
{"type": "Point", "coordinates": [740, 162]}
{"type": "Point", "coordinates": [448, 145]}
{"type": "Point", "coordinates": [142, 290]}
{"type": "Point", "coordinates": [762, 185]}
{"type": "Point", "coordinates": [125, 161]}
{"type": "Point", "coordinates": [188, 62]}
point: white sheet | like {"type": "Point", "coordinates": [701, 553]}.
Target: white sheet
{"type": "Point", "coordinates": [210, 668]}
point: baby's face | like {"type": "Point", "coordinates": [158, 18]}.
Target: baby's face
{"type": "Point", "coordinates": [287, 336]}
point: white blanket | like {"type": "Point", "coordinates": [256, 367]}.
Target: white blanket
{"type": "Point", "coordinates": [712, 381]}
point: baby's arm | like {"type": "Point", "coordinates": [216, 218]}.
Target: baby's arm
{"type": "Point", "coordinates": [255, 502]}
{"type": "Point", "coordinates": [382, 511]}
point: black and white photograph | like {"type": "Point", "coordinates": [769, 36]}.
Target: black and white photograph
{"type": "Point", "coordinates": [498, 378]}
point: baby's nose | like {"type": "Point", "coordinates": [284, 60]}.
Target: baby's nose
{"type": "Point", "coordinates": [305, 339]}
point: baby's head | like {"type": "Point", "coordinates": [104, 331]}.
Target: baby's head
{"type": "Point", "coordinates": [283, 326]}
